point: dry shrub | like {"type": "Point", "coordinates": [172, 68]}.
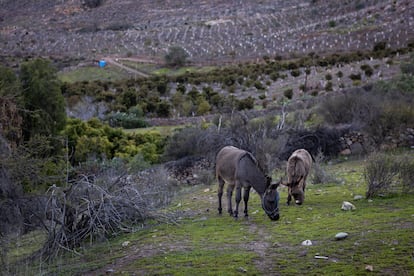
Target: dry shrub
{"type": "Point", "coordinates": [354, 106]}
{"type": "Point", "coordinates": [100, 205]}
{"type": "Point", "coordinates": [389, 174]}
{"type": "Point", "coordinates": [319, 175]}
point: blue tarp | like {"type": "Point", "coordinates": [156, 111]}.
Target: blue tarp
{"type": "Point", "coordinates": [102, 63]}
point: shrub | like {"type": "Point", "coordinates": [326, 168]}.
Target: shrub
{"type": "Point", "coordinates": [247, 103]}
{"type": "Point", "coordinates": [258, 85]}
{"type": "Point", "coordinates": [176, 56]}
{"type": "Point", "coordinates": [295, 73]}
{"type": "Point", "coordinates": [91, 3]}
{"type": "Point", "coordinates": [126, 120]}
{"type": "Point", "coordinates": [319, 175]}
{"type": "Point", "coordinates": [389, 174]}
{"type": "Point", "coordinates": [355, 77]}
{"type": "Point", "coordinates": [288, 93]}
{"type": "Point", "coordinates": [367, 70]}
{"type": "Point", "coordinates": [353, 107]}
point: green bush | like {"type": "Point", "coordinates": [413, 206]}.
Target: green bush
{"type": "Point", "coordinates": [94, 140]}
{"type": "Point", "coordinates": [367, 70]}
{"type": "Point", "coordinates": [246, 103]}
{"type": "Point", "coordinates": [176, 56]}
{"type": "Point", "coordinates": [288, 93]}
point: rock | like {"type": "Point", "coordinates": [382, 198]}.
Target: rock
{"type": "Point", "coordinates": [321, 257]}
{"type": "Point", "coordinates": [341, 236]}
{"type": "Point", "coordinates": [347, 206]}
{"type": "Point", "coordinates": [307, 243]}
{"type": "Point", "coordinates": [242, 269]}
{"type": "Point", "coordinates": [356, 149]}
{"type": "Point", "coordinates": [125, 243]}
{"type": "Point", "coordinates": [358, 197]}
{"type": "Point", "coordinates": [369, 268]}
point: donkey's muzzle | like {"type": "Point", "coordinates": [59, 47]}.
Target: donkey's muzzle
{"type": "Point", "coordinates": [274, 217]}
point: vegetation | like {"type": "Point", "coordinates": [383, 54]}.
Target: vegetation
{"type": "Point", "coordinates": [97, 181]}
{"type": "Point", "coordinates": [42, 99]}
{"type": "Point", "coordinates": [94, 140]}
{"type": "Point", "coordinates": [176, 56]}
{"type": "Point", "coordinates": [387, 174]}
{"type": "Point", "coordinates": [201, 241]}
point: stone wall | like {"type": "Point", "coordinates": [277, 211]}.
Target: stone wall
{"type": "Point", "coordinates": [357, 143]}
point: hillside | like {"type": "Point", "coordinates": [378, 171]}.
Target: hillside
{"type": "Point", "coordinates": [210, 31]}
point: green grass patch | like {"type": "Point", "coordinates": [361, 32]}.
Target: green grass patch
{"type": "Point", "coordinates": [163, 130]}
{"type": "Point", "coordinates": [92, 73]}
{"type": "Point", "coordinates": [193, 262]}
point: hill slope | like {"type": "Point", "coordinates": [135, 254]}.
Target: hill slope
{"type": "Point", "coordinates": [208, 30]}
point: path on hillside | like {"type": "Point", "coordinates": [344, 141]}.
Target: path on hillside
{"type": "Point", "coordinates": [129, 69]}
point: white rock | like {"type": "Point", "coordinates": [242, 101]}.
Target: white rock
{"type": "Point", "coordinates": [347, 206]}
{"type": "Point", "coordinates": [358, 197]}
{"type": "Point", "coordinates": [341, 235]}
{"type": "Point", "coordinates": [307, 243]}
{"type": "Point", "coordinates": [125, 243]}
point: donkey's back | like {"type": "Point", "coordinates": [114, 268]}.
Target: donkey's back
{"type": "Point", "coordinates": [227, 161]}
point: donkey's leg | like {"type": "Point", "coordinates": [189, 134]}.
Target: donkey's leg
{"type": "Point", "coordinates": [246, 199]}
{"type": "Point", "coordinates": [289, 197]}
{"type": "Point", "coordinates": [220, 193]}
{"type": "Point", "coordinates": [304, 187]}
{"type": "Point", "coordinates": [238, 199]}
{"type": "Point", "coordinates": [230, 188]}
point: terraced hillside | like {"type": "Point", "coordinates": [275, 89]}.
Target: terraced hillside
{"type": "Point", "coordinates": [209, 31]}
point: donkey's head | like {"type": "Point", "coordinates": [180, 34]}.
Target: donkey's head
{"type": "Point", "coordinates": [296, 190]}
{"type": "Point", "coordinates": [270, 200]}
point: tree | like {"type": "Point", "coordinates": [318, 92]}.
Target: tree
{"type": "Point", "coordinates": [9, 84]}
{"type": "Point", "coordinates": [10, 118]}
{"type": "Point", "coordinates": [176, 56]}
{"type": "Point", "coordinates": [43, 100]}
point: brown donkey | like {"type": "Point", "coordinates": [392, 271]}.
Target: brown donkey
{"type": "Point", "coordinates": [298, 167]}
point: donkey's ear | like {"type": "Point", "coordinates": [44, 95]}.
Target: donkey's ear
{"type": "Point", "coordinates": [268, 180]}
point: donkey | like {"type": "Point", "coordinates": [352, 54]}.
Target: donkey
{"type": "Point", "coordinates": [298, 167]}
{"type": "Point", "coordinates": [240, 169]}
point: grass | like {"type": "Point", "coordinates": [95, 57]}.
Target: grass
{"type": "Point", "coordinates": [183, 70]}
{"type": "Point", "coordinates": [92, 73]}
{"type": "Point", "coordinates": [163, 130]}
{"type": "Point", "coordinates": [380, 234]}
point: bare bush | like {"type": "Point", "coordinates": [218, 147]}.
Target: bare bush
{"type": "Point", "coordinates": [97, 206]}
{"type": "Point", "coordinates": [319, 174]}
{"type": "Point", "coordinates": [321, 140]}
{"type": "Point", "coordinates": [389, 174]}
{"type": "Point", "coordinates": [354, 106]}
